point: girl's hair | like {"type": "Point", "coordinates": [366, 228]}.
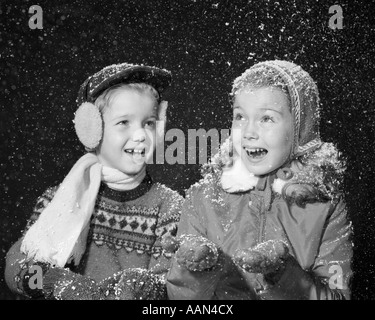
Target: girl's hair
{"type": "Point", "coordinates": [317, 176]}
{"type": "Point", "coordinates": [106, 97]}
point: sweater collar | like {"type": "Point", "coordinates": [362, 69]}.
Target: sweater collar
{"type": "Point", "coordinates": [127, 195]}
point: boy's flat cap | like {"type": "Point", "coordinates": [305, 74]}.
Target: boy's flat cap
{"type": "Point", "coordinates": [114, 74]}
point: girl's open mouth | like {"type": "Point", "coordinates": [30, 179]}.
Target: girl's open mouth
{"type": "Point", "coordinates": [256, 153]}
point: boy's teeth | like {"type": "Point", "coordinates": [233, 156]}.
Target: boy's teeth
{"type": "Point", "coordinates": [135, 151]}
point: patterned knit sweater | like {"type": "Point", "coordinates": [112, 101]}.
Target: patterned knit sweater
{"type": "Point", "coordinates": [125, 232]}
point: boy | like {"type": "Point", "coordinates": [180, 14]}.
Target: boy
{"type": "Point", "coordinates": [105, 220]}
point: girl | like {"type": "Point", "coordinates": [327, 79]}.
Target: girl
{"type": "Point", "coordinates": [268, 220]}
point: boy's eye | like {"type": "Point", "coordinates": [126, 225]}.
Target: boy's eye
{"type": "Point", "coordinates": [124, 122]}
{"type": "Point", "coordinates": [150, 123]}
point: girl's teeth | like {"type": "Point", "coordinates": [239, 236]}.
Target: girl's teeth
{"type": "Point", "coordinates": [256, 152]}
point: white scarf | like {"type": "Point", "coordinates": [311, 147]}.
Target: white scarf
{"type": "Point", "coordinates": [60, 233]}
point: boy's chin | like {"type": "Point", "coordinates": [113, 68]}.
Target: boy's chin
{"type": "Point", "coordinates": [132, 169]}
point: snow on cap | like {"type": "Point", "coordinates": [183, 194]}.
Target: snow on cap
{"type": "Point", "coordinates": [114, 74]}
{"type": "Point", "coordinates": [303, 96]}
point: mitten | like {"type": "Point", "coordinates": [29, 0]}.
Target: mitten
{"type": "Point", "coordinates": [63, 284]}
{"type": "Point", "coordinates": [134, 284]}
{"type": "Point", "coordinates": [26, 275]}
{"type": "Point", "coordinates": [195, 253]}
{"type": "Point", "coordinates": [266, 258]}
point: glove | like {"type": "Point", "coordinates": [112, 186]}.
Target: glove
{"type": "Point", "coordinates": [134, 284]}
{"type": "Point", "coordinates": [267, 258]}
{"type": "Point", "coordinates": [195, 253]}
{"type": "Point", "coordinates": [63, 284]}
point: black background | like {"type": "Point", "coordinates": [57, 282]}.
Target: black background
{"type": "Point", "coordinates": [206, 44]}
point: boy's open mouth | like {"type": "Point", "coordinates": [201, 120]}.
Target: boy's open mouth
{"type": "Point", "coordinates": [256, 153]}
{"type": "Point", "coordinates": [136, 152]}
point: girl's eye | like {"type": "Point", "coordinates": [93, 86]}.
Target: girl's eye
{"type": "Point", "coordinates": [267, 119]}
{"type": "Point", "coordinates": [238, 117]}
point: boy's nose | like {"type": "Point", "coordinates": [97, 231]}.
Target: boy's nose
{"type": "Point", "coordinates": [139, 135]}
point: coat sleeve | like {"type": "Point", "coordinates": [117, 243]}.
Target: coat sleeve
{"type": "Point", "coordinates": [17, 269]}
{"type": "Point", "coordinates": [183, 284]}
{"type": "Point", "coordinates": [167, 224]}
{"type": "Point", "coordinates": [328, 278]}
{"type": "Point", "coordinates": [333, 264]}
{"type": "Point", "coordinates": [28, 277]}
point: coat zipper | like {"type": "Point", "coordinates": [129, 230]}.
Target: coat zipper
{"type": "Point", "coordinates": [261, 237]}
{"type": "Point", "coordinates": [262, 228]}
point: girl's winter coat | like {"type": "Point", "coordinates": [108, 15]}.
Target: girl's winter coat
{"type": "Point", "coordinates": [317, 236]}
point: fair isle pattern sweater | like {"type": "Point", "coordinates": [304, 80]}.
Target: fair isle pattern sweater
{"type": "Point", "coordinates": [125, 232]}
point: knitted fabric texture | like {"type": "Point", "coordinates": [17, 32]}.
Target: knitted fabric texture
{"type": "Point", "coordinates": [60, 233]}
{"type": "Point", "coordinates": [130, 220]}
{"type": "Point", "coordinates": [125, 232]}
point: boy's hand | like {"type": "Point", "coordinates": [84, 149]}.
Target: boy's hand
{"type": "Point", "coordinates": [195, 253]}
{"type": "Point", "coordinates": [129, 284]}
{"type": "Point", "coordinates": [63, 284]}
{"type": "Point", "coordinates": [266, 258]}
{"type": "Point", "coordinates": [134, 284]}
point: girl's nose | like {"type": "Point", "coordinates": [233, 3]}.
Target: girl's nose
{"type": "Point", "coordinates": [250, 132]}
{"type": "Point", "coordinates": [139, 135]}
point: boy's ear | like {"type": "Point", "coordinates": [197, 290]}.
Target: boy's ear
{"type": "Point", "coordinates": [88, 124]}
{"type": "Point", "coordinates": [162, 116]}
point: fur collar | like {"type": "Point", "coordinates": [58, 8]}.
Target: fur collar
{"type": "Point", "coordinates": [321, 169]}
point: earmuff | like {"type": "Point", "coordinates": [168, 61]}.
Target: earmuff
{"type": "Point", "coordinates": [88, 124]}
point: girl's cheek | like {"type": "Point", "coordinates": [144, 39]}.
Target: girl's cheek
{"type": "Point", "coordinates": [237, 135]}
